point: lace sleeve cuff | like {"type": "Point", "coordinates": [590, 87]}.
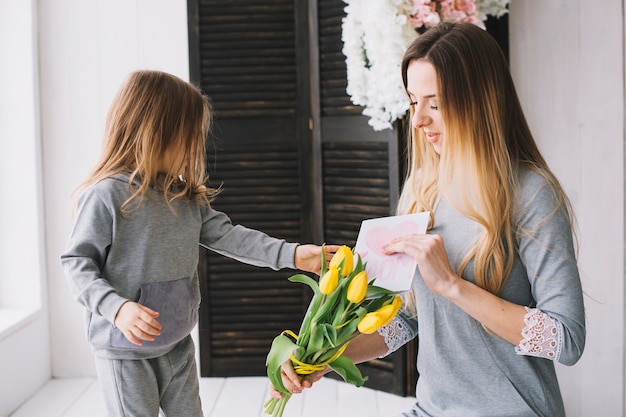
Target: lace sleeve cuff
{"type": "Point", "coordinates": [542, 336]}
{"type": "Point", "coordinates": [396, 334]}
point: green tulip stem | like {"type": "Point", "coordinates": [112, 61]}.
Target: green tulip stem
{"type": "Point", "coordinates": [343, 317]}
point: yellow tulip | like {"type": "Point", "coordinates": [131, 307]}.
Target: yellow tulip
{"type": "Point", "coordinates": [343, 254]}
{"type": "Point", "coordinates": [379, 318]}
{"type": "Point", "coordinates": [357, 288]}
{"type": "Point", "coordinates": [389, 311]}
{"type": "Point", "coordinates": [370, 323]}
{"type": "Point", "coordinates": [329, 281]}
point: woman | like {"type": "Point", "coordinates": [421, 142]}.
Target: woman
{"type": "Point", "coordinates": [497, 297]}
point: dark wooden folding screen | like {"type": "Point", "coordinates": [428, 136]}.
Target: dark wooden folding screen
{"type": "Point", "coordinates": [295, 158]}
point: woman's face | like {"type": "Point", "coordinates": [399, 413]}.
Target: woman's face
{"type": "Point", "coordinates": [422, 90]}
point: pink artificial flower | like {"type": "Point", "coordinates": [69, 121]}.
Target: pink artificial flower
{"type": "Point", "coordinates": [457, 10]}
{"type": "Point", "coordinates": [420, 13]}
{"type": "Point", "coordinates": [467, 6]}
{"type": "Point", "coordinates": [431, 20]}
{"type": "Point", "coordinates": [474, 19]}
{"type": "Point", "coordinates": [427, 13]}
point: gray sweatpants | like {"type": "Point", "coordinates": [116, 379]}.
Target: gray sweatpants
{"type": "Point", "coordinates": [138, 388]}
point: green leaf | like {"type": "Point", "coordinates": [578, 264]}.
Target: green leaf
{"type": "Point", "coordinates": [282, 348]}
{"type": "Point", "coordinates": [305, 330]}
{"type": "Point", "coordinates": [344, 333]}
{"type": "Point", "coordinates": [317, 339]}
{"type": "Point", "coordinates": [360, 266]}
{"type": "Point", "coordinates": [305, 279]}
{"type": "Point", "coordinates": [377, 303]}
{"type": "Point", "coordinates": [374, 291]}
{"type": "Point", "coordinates": [330, 333]}
{"type": "Point", "coordinates": [340, 312]}
{"type": "Point", "coordinates": [348, 371]}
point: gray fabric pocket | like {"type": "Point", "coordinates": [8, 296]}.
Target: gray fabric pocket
{"type": "Point", "coordinates": [178, 313]}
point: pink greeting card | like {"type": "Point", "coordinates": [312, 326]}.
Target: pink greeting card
{"type": "Point", "coordinates": [394, 272]}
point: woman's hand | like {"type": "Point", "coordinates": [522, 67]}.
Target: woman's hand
{"type": "Point", "coordinates": [432, 260]}
{"type": "Point", "coordinates": [292, 381]}
{"type": "Point", "coordinates": [502, 317]}
{"type": "Point", "coordinates": [309, 257]}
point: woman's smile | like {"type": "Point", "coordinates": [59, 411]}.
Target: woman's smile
{"type": "Point", "coordinates": [432, 137]}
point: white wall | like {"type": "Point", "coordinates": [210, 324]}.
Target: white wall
{"type": "Point", "coordinates": [61, 62]}
{"type": "Point", "coordinates": [24, 338]}
{"type": "Point", "coordinates": [568, 62]}
{"type": "Point", "coordinates": [86, 50]}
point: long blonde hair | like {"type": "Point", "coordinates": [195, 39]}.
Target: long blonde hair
{"type": "Point", "coordinates": [486, 140]}
{"type": "Point", "coordinates": [153, 114]}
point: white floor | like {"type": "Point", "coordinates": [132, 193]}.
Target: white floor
{"type": "Point", "coordinates": [225, 397]}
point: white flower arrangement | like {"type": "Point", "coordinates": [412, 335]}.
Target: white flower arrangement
{"type": "Point", "coordinates": [375, 35]}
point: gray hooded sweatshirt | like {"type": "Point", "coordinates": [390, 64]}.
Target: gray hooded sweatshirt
{"type": "Point", "coordinates": [464, 371]}
{"type": "Point", "coordinates": [150, 255]}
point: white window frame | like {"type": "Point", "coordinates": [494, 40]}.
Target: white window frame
{"type": "Point", "coordinates": [22, 259]}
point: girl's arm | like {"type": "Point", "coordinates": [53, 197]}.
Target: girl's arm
{"type": "Point", "coordinates": [86, 253]}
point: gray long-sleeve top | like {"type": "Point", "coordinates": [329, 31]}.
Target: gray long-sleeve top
{"type": "Point", "coordinates": [463, 370]}
{"type": "Point", "coordinates": [150, 255]}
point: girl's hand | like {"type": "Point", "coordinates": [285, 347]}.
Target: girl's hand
{"type": "Point", "coordinates": [309, 257]}
{"type": "Point", "coordinates": [137, 322]}
{"type": "Point", "coordinates": [432, 260]}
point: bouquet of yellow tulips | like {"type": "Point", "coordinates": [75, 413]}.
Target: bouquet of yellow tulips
{"type": "Point", "coordinates": [345, 303]}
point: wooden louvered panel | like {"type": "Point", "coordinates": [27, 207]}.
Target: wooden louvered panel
{"type": "Point", "coordinates": [333, 80]}
{"type": "Point", "coordinates": [261, 70]}
{"type": "Point", "coordinates": [249, 306]}
{"type": "Point", "coordinates": [360, 171]}
{"type": "Point", "coordinates": [249, 72]}
{"type": "Point", "coordinates": [261, 188]}
{"type": "Point", "coordinates": [247, 57]}
{"type": "Point", "coordinates": [267, 159]}
{"type": "Point", "coordinates": [356, 187]}
{"type": "Point", "coordinates": [360, 183]}
{"type": "Point", "coordinates": [247, 61]}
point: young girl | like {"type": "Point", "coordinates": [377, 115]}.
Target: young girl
{"type": "Point", "coordinates": [497, 297]}
{"type": "Point", "coordinates": [132, 256]}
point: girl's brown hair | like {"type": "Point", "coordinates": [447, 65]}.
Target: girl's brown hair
{"type": "Point", "coordinates": [486, 140]}
{"type": "Point", "coordinates": [157, 117]}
